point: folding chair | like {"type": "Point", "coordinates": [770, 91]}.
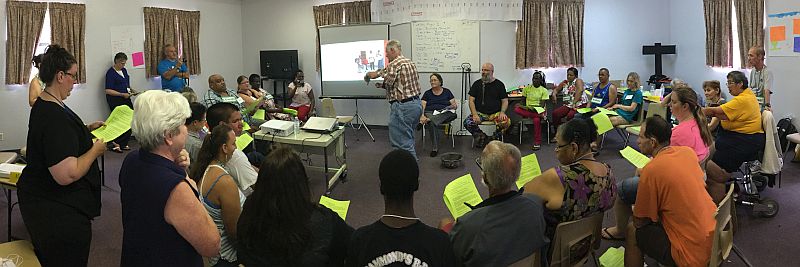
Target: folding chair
{"type": "Point", "coordinates": [581, 237]}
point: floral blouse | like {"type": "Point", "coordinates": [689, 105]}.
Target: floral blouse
{"type": "Point", "coordinates": [586, 194]}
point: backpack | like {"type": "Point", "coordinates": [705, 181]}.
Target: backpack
{"type": "Point", "coordinates": [785, 127]}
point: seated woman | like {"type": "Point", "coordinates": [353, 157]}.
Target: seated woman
{"type": "Point", "coordinates": [581, 186]}
{"type": "Point", "coordinates": [36, 86]}
{"type": "Point", "coordinates": [281, 226]}
{"type": "Point", "coordinates": [632, 101]}
{"type": "Point", "coordinates": [534, 95]}
{"type": "Point", "coordinates": [714, 98]}
{"type": "Point", "coordinates": [218, 191]}
{"type": "Point", "coordinates": [574, 98]}
{"type": "Point", "coordinates": [302, 96]}
{"type": "Point", "coordinates": [437, 98]}
{"type": "Point", "coordinates": [740, 138]}
{"type": "Point", "coordinates": [689, 133]}
{"type": "Point", "coordinates": [259, 99]}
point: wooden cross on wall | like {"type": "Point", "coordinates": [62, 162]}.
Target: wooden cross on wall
{"type": "Point", "coordinates": [658, 50]}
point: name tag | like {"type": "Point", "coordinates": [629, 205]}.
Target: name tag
{"type": "Point", "coordinates": [629, 97]}
{"type": "Point", "coordinates": [597, 100]}
{"type": "Point", "coordinates": [567, 98]}
{"type": "Point", "coordinates": [229, 99]}
{"type": "Point", "coordinates": [268, 97]}
{"type": "Point", "coordinates": [760, 99]}
{"type": "Point", "coordinates": [240, 100]}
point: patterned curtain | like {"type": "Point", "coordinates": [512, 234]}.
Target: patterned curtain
{"type": "Point", "coordinates": [533, 35]}
{"type": "Point", "coordinates": [567, 32]}
{"type": "Point", "coordinates": [189, 27]}
{"type": "Point", "coordinates": [357, 12]}
{"type": "Point", "coordinates": [68, 29]}
{"type": "Point", "coordinates": [327, 15]}
{"type": "Point", "coordinates": [24, 23]}
{"type": "Point", "coordinates": [718, 33]}
{"type": "Point", "coordinates": [159, 30]}
{"type": "Point", "coordinates": [750, 23]}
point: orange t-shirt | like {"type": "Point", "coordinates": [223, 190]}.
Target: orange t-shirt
{"type": "Point", "coordinates": [677, 197]}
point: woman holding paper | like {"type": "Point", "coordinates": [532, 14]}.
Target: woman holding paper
{"type": "Point", "coordinates": [118, 84]}
{"type": "Point", "coordinates": [632, 101]}
{"type": "Point", "coordinates": [581, 186]}
{"type": "Point", "coordinates": [219, 193]}
{"type": "Point", "coordinates": [437, 99]}
{"type": "Point", "coordinates": [281, 226]}
{"type": "Point", "coordinates": [59, 190]}
{"type": "Point", "coordinates": [534, 95]}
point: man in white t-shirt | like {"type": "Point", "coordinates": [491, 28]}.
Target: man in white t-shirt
{"type": "Point", "coordinates": [760, 77]}
{"type": "Point", "coordinates": [244, 173]}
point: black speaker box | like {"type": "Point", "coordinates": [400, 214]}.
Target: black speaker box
{"type": "Point", "coordinates": [278, 64]}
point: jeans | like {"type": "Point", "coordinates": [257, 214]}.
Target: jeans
{"type": "Point", "coordinates": [435, 122]}
{"type": "Point", "coordinates": [403, 117]}
{"type": "Point", "coordinates": [627, 190]}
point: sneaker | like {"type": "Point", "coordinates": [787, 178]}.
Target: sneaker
{"type": "Point", "coordinates": [434, 153]}
{"type": "Point", "coordinates": [536, 147]}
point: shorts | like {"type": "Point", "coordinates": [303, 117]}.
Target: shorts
{"type": "Point", "coordinates": [627, 189]}
{"type": "Point", "coordinates": [733, 149]}
{"type": "Point", "coordinates": [653, 241]}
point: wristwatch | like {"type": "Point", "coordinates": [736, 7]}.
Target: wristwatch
{"type": "Point", "coordinates": [768, 105]}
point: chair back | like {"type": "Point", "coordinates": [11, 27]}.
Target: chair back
{"type": "Point", "coordinates": [534, 260]}
{"type": "Point", "coordinates": [327, 110]}
{"type": "Point", "coordinates": [723, 233]}
{"type": "Point", "coordinates": [575, 241]}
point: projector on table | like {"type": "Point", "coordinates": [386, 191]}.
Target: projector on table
{"type": "Point", "coordinates": [278, 127]}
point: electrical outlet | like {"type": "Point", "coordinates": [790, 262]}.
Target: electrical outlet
{"type": "Point", "coordinates": [2, 136]}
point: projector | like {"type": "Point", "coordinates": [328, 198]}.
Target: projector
{"type": "Point", "coordinates": [278, 127]}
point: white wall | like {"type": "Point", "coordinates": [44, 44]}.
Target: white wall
{"type": "Point", "coordinates": [614, 32]}
{"type": "Point", "coordinates": [689, 34]}
{"type": "Point", "coordinates": [220, 38]}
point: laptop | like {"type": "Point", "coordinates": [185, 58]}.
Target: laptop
{"type": "Point", "coordinates": [320, 125]}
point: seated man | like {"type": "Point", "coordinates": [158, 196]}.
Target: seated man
{"type": "Point", "coordinates": [399, 231]}
{"type": "Point", "coordinates": [488, 101]}
{"type": "Point", "coordinates": [238, 166]}
{"type": "Point", "coordinates": [506, 227]}
{"type": "Point", "coordinates": [673, 220]}
{"type": "Point", "coordinates": [219, 93]}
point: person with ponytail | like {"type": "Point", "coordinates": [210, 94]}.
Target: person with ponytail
{"type": "Point", "coordinates": [691, 130]}
{"type": "Point", "coordinates": [219, 193]}
{"type": "Point", "coordinates": [59, 190]}
{"type": "Point", "coordinates": [580, 186]}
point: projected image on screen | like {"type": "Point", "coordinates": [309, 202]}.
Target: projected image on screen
{"type": "Point", "coordinates": [350, 61]}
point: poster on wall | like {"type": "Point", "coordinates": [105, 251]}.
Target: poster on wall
{"type": "Point", "coordinates": [128, 40]}
{"type": "Point", "coordinates": [783, 34]}
{"type": "Point", "coordinates": [402, 11]}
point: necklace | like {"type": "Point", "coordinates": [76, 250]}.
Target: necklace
{"type": "Point", "coordinates": [56, 98]}
{"type": "Point", "coordinates": [399, 217]}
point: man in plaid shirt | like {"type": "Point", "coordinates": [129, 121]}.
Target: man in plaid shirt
{"type": "Point", "coordinates": [401, 81]}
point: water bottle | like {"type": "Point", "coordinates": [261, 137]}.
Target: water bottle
{"type": "Point", "coordinates": [296, 125]}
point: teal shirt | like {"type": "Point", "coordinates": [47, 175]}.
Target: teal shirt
{"type": "Point", "coordinates": [627, 99]}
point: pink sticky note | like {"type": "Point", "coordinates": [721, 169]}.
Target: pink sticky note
{"type": "Point", "coordinates": [138, 58]}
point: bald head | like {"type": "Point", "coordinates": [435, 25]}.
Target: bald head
{"type": "Point", "coordinates": [487, 72]}
{"type": "Point", "coordinates": [216, 83]}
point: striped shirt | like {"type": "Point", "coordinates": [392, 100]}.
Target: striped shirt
{"type": "Point", "coordinates": [400, 79]}
{"type": "Point", "coordinates": [227, 250]}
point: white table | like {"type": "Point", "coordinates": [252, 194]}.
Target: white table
{"type": "Point", "coordinates": [316, 143]}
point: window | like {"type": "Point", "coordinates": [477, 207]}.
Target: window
{"type": "Point", "coordinates": [44, 41]}
{"type": "Point", "coordinates": [736, 59]}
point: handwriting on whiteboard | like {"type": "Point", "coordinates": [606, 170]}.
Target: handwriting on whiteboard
{"type": "Point", "coordinates": [441, 46]}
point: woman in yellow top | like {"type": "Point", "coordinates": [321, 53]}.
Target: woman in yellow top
{"type": "Point", "coordinates": [534, 95]}
{"type": "Point", "coordinates": [740, 138]}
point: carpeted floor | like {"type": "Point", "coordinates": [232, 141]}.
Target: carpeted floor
{"type": "Point", "coordinates": [764, 242]}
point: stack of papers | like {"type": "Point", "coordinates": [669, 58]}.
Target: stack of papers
{"type": "Point", "coordinates": [11, 171]}
{"type": "Point", "coordinates": [603, 123]}
{"type": "Point", "coordinates": [459, 193]}
{"type": "Point", "coordinates": [338, 206]}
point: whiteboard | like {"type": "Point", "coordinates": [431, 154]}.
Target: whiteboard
{"type": "Point", "coordinates": [129, 40]}
{"type": "Point", "coordinates": [441, 46]}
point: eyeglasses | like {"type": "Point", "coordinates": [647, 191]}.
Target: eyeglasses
{"type": "Point", "coordinates": [730, 83]}
{"type": "Point", "coordinates": [478, 161]}
{"type": "Point", "coordinates": [74, 76]}
{"type": "Point", "coordinates": [558, 147]}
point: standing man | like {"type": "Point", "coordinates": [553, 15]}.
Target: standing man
{"type": "Point", "coordinates": [401, 81]}
{"type": "Point", "coordinates": [172, 70]}
{"type": "Point", "coordinates": [760, 76]}
{"type": "Point", "coordinates": [488, 101]}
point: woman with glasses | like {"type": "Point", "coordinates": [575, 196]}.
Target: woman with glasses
{"type": "Point", "coordinates": [118, 85]}
{"type": "Point", "coordinates": [59, 190]}
{"type": "Point", "coordinates": [581, 186]}
{"type": "Point", "coordinates": [251, 96]}
{"type": "Point", "coordinates": [739, 139]}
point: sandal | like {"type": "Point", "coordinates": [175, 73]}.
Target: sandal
{"type": "Point", "coordinates": [608, 236]}
{"type": "Point", "coordinates": [536, 147]}
{"type": "Point", "coordinates": [116, 149]}
{"type": "Point", "coordinates": [126, 148]}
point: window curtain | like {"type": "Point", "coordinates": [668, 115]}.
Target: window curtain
{"type": "Point", "coordinates": [357, 12]}
{"type": "Point", "coordinates": [718, 33]}
{"type": "Point", "coordinates": [24, 23]}
{"type": "Point", "coordinates": [159, 30]}
{"type": "Point", "coordinates": [750, 24]}
{"type": "Point", "coordinates": [327, 15]}
{"type": "Point", "coordinates": [68, 29]}
{"type": "Point", "coordinates": [189, 27]}
{"type": "Point", "coordinates": [533, 35]}
{"type": "Point", "coordinates": [567, 32]}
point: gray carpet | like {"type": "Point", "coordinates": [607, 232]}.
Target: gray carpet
{"type": "Point", "coordinates": [765, 242]}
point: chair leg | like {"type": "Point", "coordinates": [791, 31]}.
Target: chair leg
{"type": "Point", "coordinates": [521, 124]}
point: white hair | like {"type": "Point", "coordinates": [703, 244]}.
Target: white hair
{"type": "Point", "coordinates": [156, 115]}
{"type": "Point", "coordinates": [394, 44]}
{"type": "Point", "coordinates": [496, 168]}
